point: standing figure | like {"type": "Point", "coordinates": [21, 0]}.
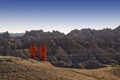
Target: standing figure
{"type": "Point", "coordinates": [33, 51]}
{"type": "Point", "coordinates": [43, 52]}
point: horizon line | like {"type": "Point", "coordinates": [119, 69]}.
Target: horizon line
{"type": "Point", "coordinates": [57, 30]}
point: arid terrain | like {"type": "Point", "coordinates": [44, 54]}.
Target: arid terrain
{"type": "Point", "coordinates": [85, 49]}
{"type": "Point", "coordinates": [14, 68]}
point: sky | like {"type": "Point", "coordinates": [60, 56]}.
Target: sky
{"type": "Point", "coordinates": [17, 16]}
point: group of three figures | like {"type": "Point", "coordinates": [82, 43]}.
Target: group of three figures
{"type": "Point", "coordinates": [34, 51]}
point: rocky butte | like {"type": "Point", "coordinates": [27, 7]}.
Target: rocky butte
{"type": "Point", "coordinates": [84, 48]}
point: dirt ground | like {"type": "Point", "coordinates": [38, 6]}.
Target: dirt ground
{"type": "Point", "coordinates": [14, 68]}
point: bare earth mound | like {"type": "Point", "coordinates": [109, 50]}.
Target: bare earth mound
{"type": "Point", "coordinates": [13, 68]}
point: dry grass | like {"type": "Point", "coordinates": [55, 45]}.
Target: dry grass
{"type": "Point", "coordinates": [12, 68]}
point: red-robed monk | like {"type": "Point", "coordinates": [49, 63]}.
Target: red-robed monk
{"type": "Point", "coordinates": [43, 52]}
{"type": "Point", "coordinates": [33, 51]}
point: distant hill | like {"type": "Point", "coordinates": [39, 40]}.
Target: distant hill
{"type": "Point", "coordinates": [13, 68]}
{"type": "Point", "coordinates": [17, 34]}
{"type": "Point", "coordinates": [84, 48]}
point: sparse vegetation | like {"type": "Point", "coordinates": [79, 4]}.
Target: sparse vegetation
{"type": "Point", "coordinates": [14, 68]}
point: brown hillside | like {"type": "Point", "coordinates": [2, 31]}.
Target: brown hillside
{"type": "Point", "coordinates": [13, 68]}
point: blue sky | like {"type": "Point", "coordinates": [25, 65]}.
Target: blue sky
{"type": "Point", "coordinates": [61, 15]}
